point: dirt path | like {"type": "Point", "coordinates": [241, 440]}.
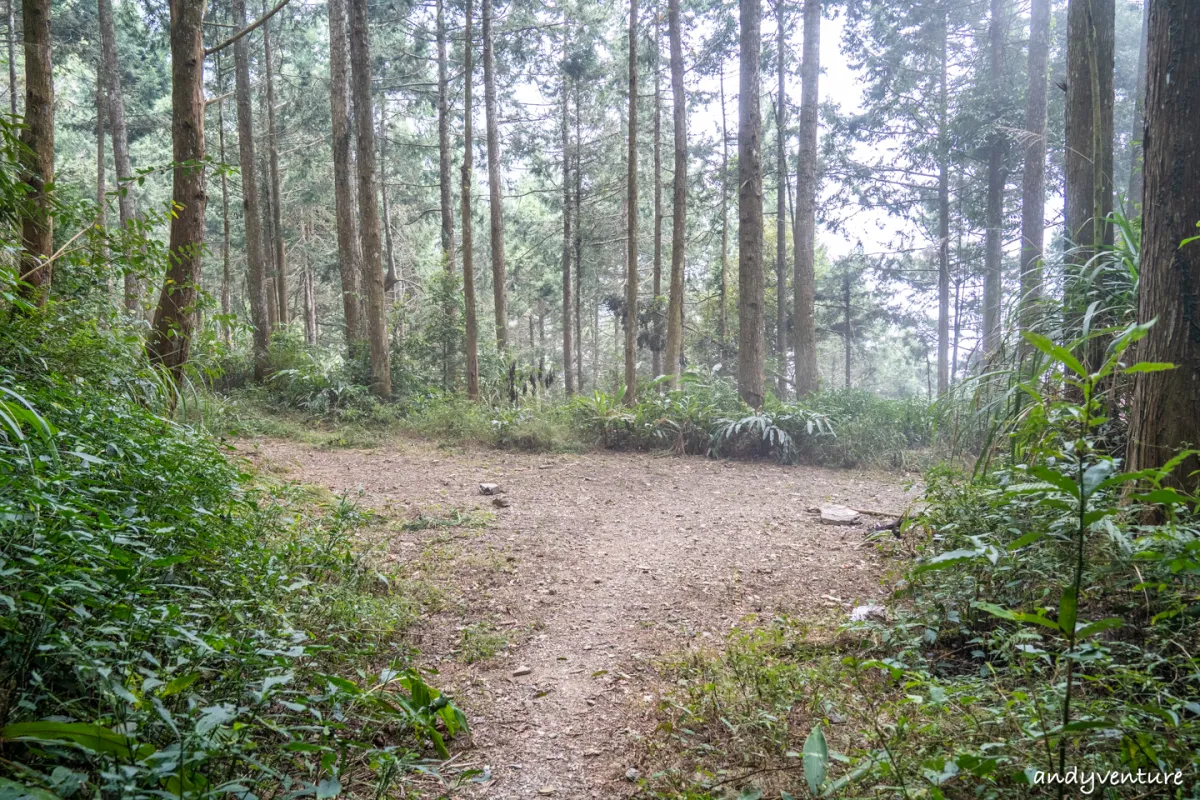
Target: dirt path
{"type": "Point", "coordinates": [602, 564]}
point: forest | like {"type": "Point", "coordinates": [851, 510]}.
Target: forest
{"type": "Point", "coordinates": [685, 399]}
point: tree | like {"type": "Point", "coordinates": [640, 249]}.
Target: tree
{"type": "Point", "coordinates": [37, 226]}
{"type": "Point", "coordinates": [226, 270]}
{"type": "Point", "coordinates": [251, 214]}
{"type": "Point", "coordinates": [368, 200]}
{"type": "Point", "coordinates": [472, 337]}
{"type": "Point", "coordinates": [276, 198]}
{"type": "Point", "coordinates": [678, 196]}
{"type": "Point", "coordinates": [723, 288]}
{"type": "Point", "coordinates": [1166, 406]}
{"type": "Point", "coordinates": [446, 205]}
{"type": "Point", "coordinates": [568, 243]}
{"type": "Point", "coordinates": [175, 315]}
{"type": "Point", "coordinates": [656, 274]}
{"type": "Point", "coordinates": [996, 179]}
{"type": "Point", "coordinates": [495, 207]}
{"type": "Point", "coordinates": [805, 233]}
{"type": "Point", "coordinates": [781, 196]}
{"type": "Point", "coordinates": [12, 56]}
{"type": "Point", "coordinates": [751, 286]}
{"type": "Point", "coordinates": [1033, 178]}
{"type": "Point", "coordinates": [1133, 198]}
{"type": "Point", "coordinates": [631, 230]}
{"type": "Point", "coordinates": [345, 206]}
{"type": "Point", "coordinates": [126, 203]}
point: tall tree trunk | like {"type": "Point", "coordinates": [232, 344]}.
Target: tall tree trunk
{"type": "Point", "coordinates": [349, 258]}
{"type": "Point", "coordinates": [268, 236]}
{"type": "Point", "coordinates": [568, 243]}
{"type": "Point", "coordinates": [996, 178]}
{"type": "Point", "coordinates": [678, 195]}
{"type": "Point", "coordinates": [631, 217]}
{"type": "Point", "coordinates": [781, 191]}
{"type": "Point", "coordinates": [491, 112]}
{"type": "Point", "coordinates": [1133, 198]}
{"type": "Point", "coordinates": [468, 255]}
{"type": "Point", "coordinates": [943, 319]}
{"type": "Point", "coordinates": [251, 213]}
{"type": "Point", "coordinates": [310, 293]}
{"type": "Point", "coordinates": [723, 289]}
{"type": "Point", "coordinates": [656, 275]}
{"type": "Point", "coordinates": [101, 179]}
{"type": "Point", "coordinates": [368, 200]}
{"type": "Point", "coordinates": [12, 56]}
{"type": "Point", "coordinates": [226, 272]}
{"type": "Point", "coordinates": [578, 242]}
{"type": "Point", "coordinates": [804, 279]}
{"type": "Point", "coordinates": [175, 315]}
{"type": "Point", "coordinates": [444, 153]}
{"type": "Point", "coordinates": [390, 278]}
{"type": "Point", "coordinates": [751, 288]}
{"type": "Point", "coordinates": [1033, 178]}
{"type": "Point", "coordinates": [1089, 125]}
{"type": "Point", "coordinates": [848, 334]}
{"type": "Point", "coordinates": [281, 294]}
{"type": "Point", "coordinates": [126, 205]}
{"type": "Point", "coordinates": [1166, 405]}
{"type": "Point", "coordinates": [37, 228]}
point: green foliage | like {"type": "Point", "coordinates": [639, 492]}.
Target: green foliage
{"type": "Point", "coordinates": [169, 627]}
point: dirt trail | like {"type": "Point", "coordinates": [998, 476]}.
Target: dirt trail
{"type": "Point", "coordinates": [602, 564]}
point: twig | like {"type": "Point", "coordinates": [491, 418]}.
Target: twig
{"type": "Point", "coordinates": [209, 51]}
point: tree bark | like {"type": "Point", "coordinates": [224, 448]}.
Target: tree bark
{"type": "Point", "coordinates": [472, 333]}
{"type": "Point", "coordinates": [631, 217]}
{"type": "Point", "coordinates": [1166, 405]}
{"type": "Point", "coordinates": [12, 56]}
{"type": "Point", "coordinates": [101, 179]}
{"type": "Point", "coordinates": [1089, 149]}
{"type": "Point", "coordinates": [251, 214]}
{"type": "Point", "coordinates": [1033, 179]}
{"type": "Point", "coordinates": [175, 315]}
{"type": "Point", "coordinates": [268, 235]}
{"type": "Point", "coordinates": [226, 272]}
{"type": "Point", "coordinates": [495, 208]}
{"type": "Point", "coordinates": [781, 191]}
{"type": "Point", "coordinates": [804, 327]}
{"type": "Point", "coordinates": [578, 243]}
{"type": "Point", "coordinates": [656, 274]}
{"type": "Point", "coordinates": [848, 333]}
{"type": "Point", "coordinates": [126, 199]}
{"type": "Point", "coordinates": [349, 258]}
{"type": "Point", "coordinates": [751, 288]}
{"type": "Point", "coordinates": [996, 178]}
{"type": "Point", "coordinates": [281, 295]}
{"type": "Point", "coordinates": [568, 243]}
{"type": "Point", "coordinates": [723, 289]}
{"type": "Point", "coordinates": [678, 195]}
{"type": "Point", "coordinates": [1133, 198]}
{"type": "Point", "coordinates": [943, 319]}
{"type": "Point", "coordinates": [444, 153]}
{"type": "Point", "coordinates": [368, 200]}
{"type": "Point", "coordinates": [390, 277]}
{"type": "Point", "coordinates": [37, 161]}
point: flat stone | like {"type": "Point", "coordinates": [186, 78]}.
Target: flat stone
{"type": "Point", "coordinates": [524, 669]}
{"type": "Point", "coordinates": [490, 488]}
{"type": "Point", "coordinates": [501, 502]}
{"type": "Point", "coordinates": [839, 515]}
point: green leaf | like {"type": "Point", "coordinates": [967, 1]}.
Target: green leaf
{"type": "Point", "coordinates": [816, 757]}
{"type": "Point", "coordinates": [1063, 482]}
{"type": "Point", "coordinates": [1092, 628]}
{"type": "Point", "coordinates": [11, 790]}
{"type": "Point", "coordinates": [1094, 475]}
{"type": "Point", "coordinates": [93, 738]}
{"type": "Point", "coordinates": [1149, 366]}
{"type": "Point", "coordinates": [329, 788]}
{"type": "Point", "coordinates": [178, 684]}
{"type": "Point", "coordinates": [1057, 352]}
{"type": "Point", "coordinates": [1068, 606]}
{"type": "Point", "coordinates": [948, 559]}
{"type": "Point", "coordinates": [1025, 540]}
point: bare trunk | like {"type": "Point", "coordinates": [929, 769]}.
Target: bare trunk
{"type": "Point", "coordinates": [568, 341]}
{"type": "Point", "coordinates": [807, 177]}
{"type": "Point", "coordinates": [251, 214]}
{"type": "Point", "coordinates": [268, 238]}
{"type": "Point", "coordinates": [444, 179]}
{"type": "Point", "coordinates": [1033, 179]}
{"type": "Point", "coordinates": [678, 196]}
{"type": "Point", "coordinates": [281, 301]}
{"type": "Point", "coordinates": [996, 178]}
{"type": "Point", "coordinates": [723, 289]}
{"type": "Point", "coordinates": [37, 161]}
{"type": "Point", "coordinates": [349, 258]}
{"type": "Point", "coordinates": [1166, 405]}
{"type": "Point", "coordinates": [12, 56]}
{"type": "Point", "coordinates": [368, 200]}
{"type": "Point", "coordinates": [656, 275]}
{"type": "Point", "coordinates": [175, 316]}
{"type": "Point", "coordinates": [126, 205]}
{"type": "Point", "coordinates": [751, 289]}
{"type": "Point", "coordinates": [491, 112]}
{"type": "Point", "coordinates": [391, 278]}
{"type": "Point", "coordinates": [631, 217]}
{"type": "Point", "coordinates": [226, 273]}
{"type": "Point", "coordinates": [578, 244]}
{"type": "Point", "coordinates": [848, 333]}
{"type": "Point", "coordinates": [1134, 197]}
{"type": "Point", "coordinates": [1089, 146]}
{"type": "Point", "coordinates": [781, 191]}
{"type": "Point", "coordinates": [472, 343]}
{"type": "Point", "coordinates": [101, 179]}
{"type": "Point", "coordinates": [943, 319]}
{"type": "Point", "coordinates": [310, 295]}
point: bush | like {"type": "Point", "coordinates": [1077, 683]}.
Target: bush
{"type": "Point", "coordinates": [161, 610]}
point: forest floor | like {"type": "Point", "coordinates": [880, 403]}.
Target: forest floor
{"type": "Point", "coordinates": [547, 619]}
